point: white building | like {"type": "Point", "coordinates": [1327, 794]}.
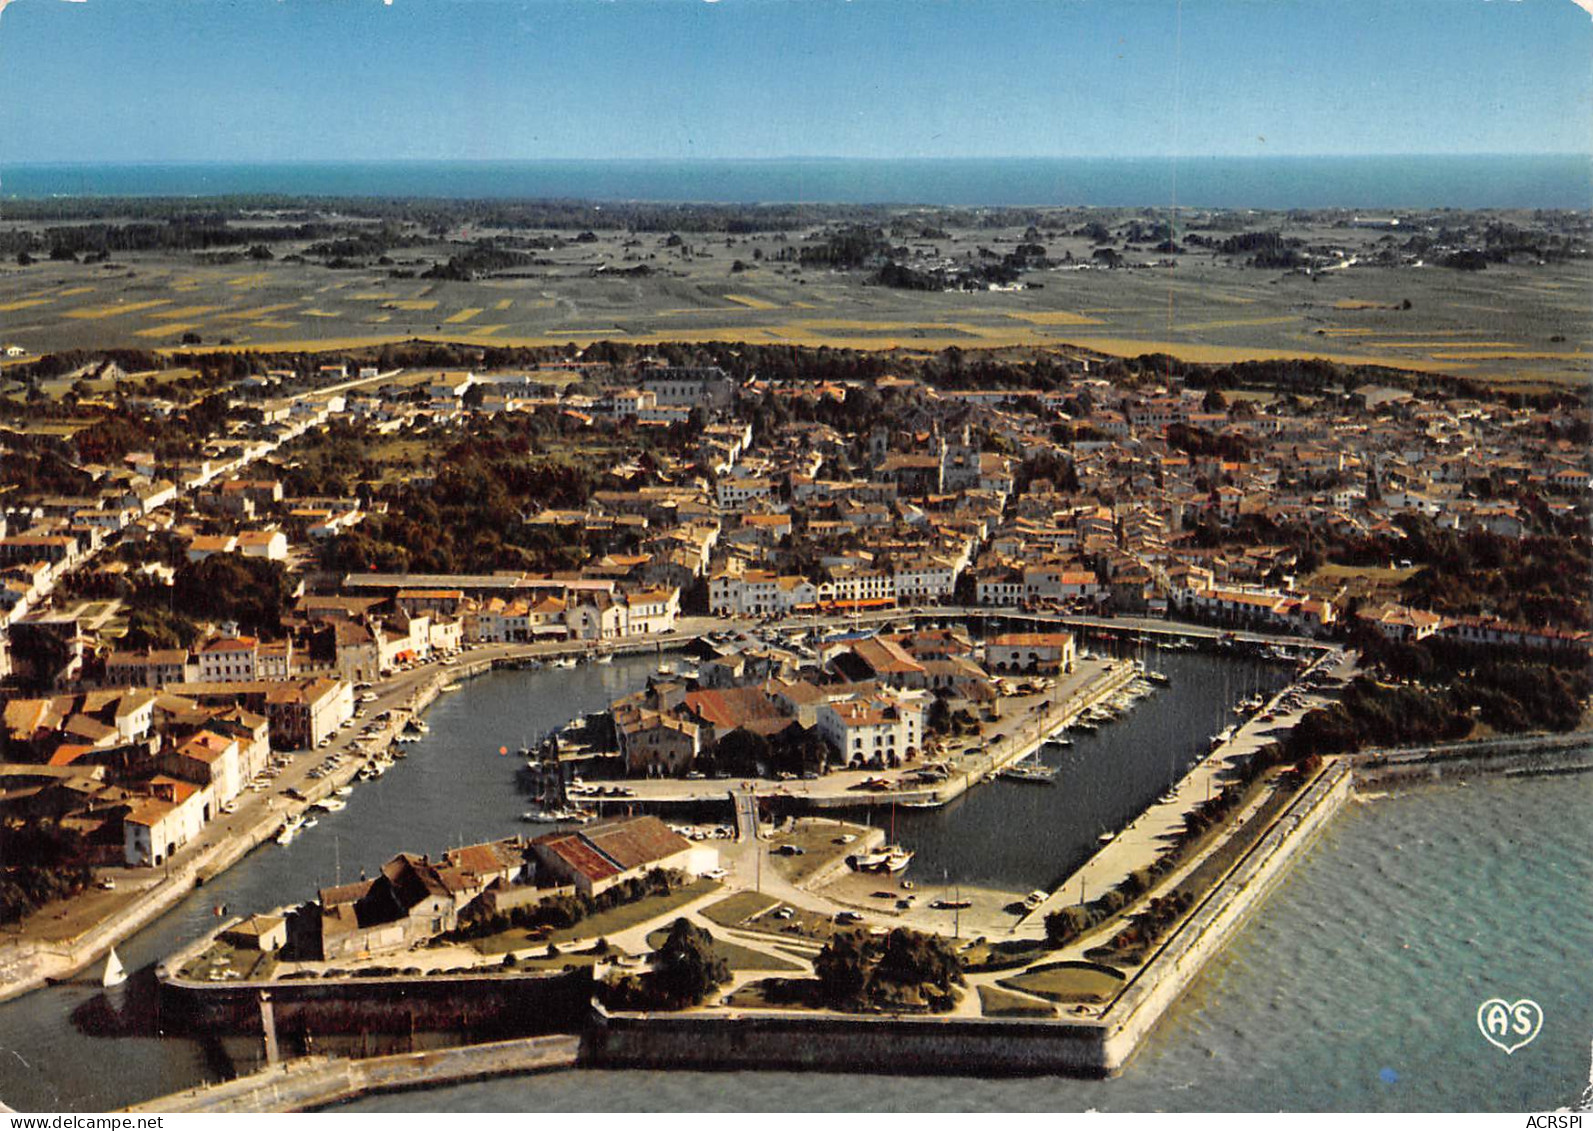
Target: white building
{"type": "Point", "coordinates": [887, 726]}
{"type": "Point", "coordinates": [733, 493]}
{"type": "Point", "coordinates": [925, 579]}
{"type": "Point", "coordinates": [231, 659]}
{"type": "Point", "coordinates": [1031, 651]}
{"type": "Point", "coordinates": [161, 824]}
{"type": "Point", "coordinates": [651, 610]}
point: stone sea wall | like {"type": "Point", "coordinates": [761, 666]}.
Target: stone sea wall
{"type": "Point", "coordinates": [483, 1006]}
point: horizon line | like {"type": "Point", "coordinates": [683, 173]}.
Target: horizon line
{"type": "Point", "coordinates": [293, 161]}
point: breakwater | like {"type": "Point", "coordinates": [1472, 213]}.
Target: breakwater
{"type": "Point", "coordinates": [1514, 756]}
{"type": "Point", "coordinates": [309, 1083]}
{"type": "Point", "coordinates": [1159, 983]}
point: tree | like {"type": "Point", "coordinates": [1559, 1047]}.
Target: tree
{"type": "Point", "coordinates": [688, 969]}
{"type": "Point", "coordinates": [908, 969]}
{"type": "Point", "coordinates": [842, 968]}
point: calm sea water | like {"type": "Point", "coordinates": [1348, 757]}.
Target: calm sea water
{"type": "Point", "coordinates": [1548, 181]}
{"type": "Point", "coordinates": [1355, 989]}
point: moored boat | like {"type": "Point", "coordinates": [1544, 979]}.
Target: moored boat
{"type": "Point", "coordinates": [897, 859]}
{"type": "Point", "coordinates": [1026, 771]}
{"type": "Point", "coordinates": [115, 973]}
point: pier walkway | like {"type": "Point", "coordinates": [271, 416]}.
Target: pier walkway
{"type": "Point", "coordinates": [1148, 835]}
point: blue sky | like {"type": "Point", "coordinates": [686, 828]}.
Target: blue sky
{"type": "Point", "coordinates": [270, 80]}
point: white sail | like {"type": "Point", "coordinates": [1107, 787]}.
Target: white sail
{"type": "Point", "coordinates": [115, 975]}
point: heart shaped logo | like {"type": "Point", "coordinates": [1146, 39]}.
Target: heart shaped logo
{"type": "Point", "coordinates": [1509, 1025]}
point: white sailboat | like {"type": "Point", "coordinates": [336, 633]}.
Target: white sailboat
{"type": "Point", "coordinates": [115, 974]}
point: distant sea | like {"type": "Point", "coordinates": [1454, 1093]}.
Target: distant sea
{"type": "Point", "coordinates": [1488, 181]}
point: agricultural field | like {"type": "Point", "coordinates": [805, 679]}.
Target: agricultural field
{"type": "Point", "coordinates": [1519, 324]}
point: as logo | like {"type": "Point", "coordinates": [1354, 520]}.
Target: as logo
{"type": "Point", "coordinates": [1509, 1026]}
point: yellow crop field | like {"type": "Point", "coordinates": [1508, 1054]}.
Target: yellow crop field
{"type": "Point", "coordinates": [1349, 332]}
{"type": "Point", "coordinates": [1056, 318]}
{"type": "Point", "coordinates": [184, 312]}
{"type": "Point", "coordinates": [270, 325]}
{"type": "Point", "coordinates": [23, 304]}
{"type": "Point", "coordinates": [256, 311]}
{"type": "Point", "coordinates": [1447, 345]}
{"type": "Point", "coordinates": [844, 326]}
{"type": "Point", "coordinates": [114, 309]}
{"type": "Point", "coordinates": [1358, 304]}
{"type": "Point", "coordinates": [754, 303]}
{"type": "Point", "coordinates": [1225, 355]}
{"type": "Point", "coordinates": [247, 281]}
{"type": "Point", "coordinates": [503, 304]}
{"type": "Point", "coordinates": [1233, 322]}
{"type": "Point", "coordinates": [165, 329]}
{"type": "Point", "coordinates": [1514, 355]}
{"type": "Point", "coordinates": [374, 296]}
{"type": "Point", "coordinates": [316, 313]}
{"type": "Point", "coordinates": [412, 304]}
{"type": "Point", "coordinates": [487, 331]}
{"type": "Point", "coordinates": [464, 315]}
{"type": "Point", "coordinates": [382, 318]}
{"type": "Point", "coordinates": [70, 291]}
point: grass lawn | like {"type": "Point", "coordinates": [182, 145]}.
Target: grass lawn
{"type": "Point", "coordinates": [543, 962]}
{"type": "Point", "coordinates": [619, 918]}
{"type": "Point", "coordinates": [802, 925]}
{"type": "Point", "coordinates": [808, 952]}
{"type": "Point", "coordinates": [996, 1002]}
{"type": "Point", "coordinates": [738, 908]}
{"type": "Point", "coordinates": [601, 925]}
{"type": "Point", "coordinates": [817, 838]}
{"type": "Point", "coordinates": [1001, 955]}
{"type": "Point", "coordinates": [1067, 981]}
{"type": "Point", "coordinates": [752, 996]}
{"type": "Point", "coordinates": [738, 957]}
